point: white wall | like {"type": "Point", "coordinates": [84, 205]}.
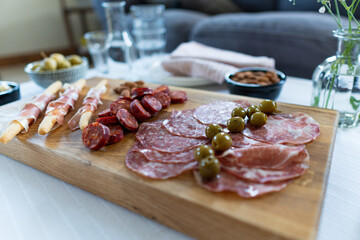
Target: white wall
{"type": "Point", "coordinates": [28, 26]}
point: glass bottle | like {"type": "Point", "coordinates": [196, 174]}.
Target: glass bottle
{"type": "Point", "coordinates": [336, 83]}
{"type": "Point", "coordinates": [122, 52]}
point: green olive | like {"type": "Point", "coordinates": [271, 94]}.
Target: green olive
{"type": "Point", "coordinates": [209, 167]}
{"type": "Point", "coordinates": [221, 141]}
{"type": "Point", "coordinates": [258, 119]}
{"type": "Point", "coordinates": [49, 64]}
{"type": "Point", "coordinates": [238, 112]}
{"type": "Point", "coordinates": [212, 130]}
{"type": "Point", "coordinates": [236, 124]}
{"type": "Point", "coordinates": [64, 64]}
{"type": "Point", "coordinates": [252, 109]}
{"type": "Point", "coordinates": [203, 152]}
{"type": "Point", "coordinates": [75, 59]}
{"type": "Point", "coordinates": [58, 57]}
{"type": "Point", "coordinates": [35, 66]}
{"type": "Point", "coordinates": [268, 106]}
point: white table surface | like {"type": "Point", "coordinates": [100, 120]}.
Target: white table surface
{"type": "Point", "coordinates": [34, 205]}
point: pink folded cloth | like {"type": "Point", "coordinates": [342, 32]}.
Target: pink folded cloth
{"type": "Point", "coordinates": [198, 60]}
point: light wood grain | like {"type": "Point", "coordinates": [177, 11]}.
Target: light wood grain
{"type": "Point", "coordinates": [179, 203]}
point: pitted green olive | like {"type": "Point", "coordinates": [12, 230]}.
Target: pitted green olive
{"type": "Point", "coordinates": [203, 152]}
{"type": "Point", "coordinates": [236, 124]}
{"type": "Point", "coordinates": [258, 119]}
{"type": "Point", "coordinates": [212, 130]}
{"type": "Point", "coordinates": [238, 112]}
{"type": "Point", "coordinates": [268, 106]}
{"type": "Point", "coordinates": [252, 109]}
{"type": "Point", "coordinates": [209, 167]}
{"type": "Point", "coordinates": [221, 142]}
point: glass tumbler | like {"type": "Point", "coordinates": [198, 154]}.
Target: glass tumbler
{"type": "Point", "coordinates": [148, 28]}
{"type": "Point", "coordinates": [97, 45]}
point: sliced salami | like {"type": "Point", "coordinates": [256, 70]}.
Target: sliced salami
{"type": "Point", "coordinates": [167, 157]}
{"type": "Point", "coordinates": [137, 162]}
{"type": "Point", "coordinates": [218, 112]}
{"type": "Point", "coordinates": [241, 141]}
{"type": "Point", "coordinates": [163, 98]}
{"type": "Point", "coordinates": [178, 96]}
{"type": "Point", "coordinates": [151, 104]}
{"type": "Point", "coordinates": [227, 182]}
{"type": "Point", "coordinates": [153, 136]}
{"type": "Point", "coordinates": [95, 136]}
{"type": "Point", "coordinates": [116, 134]}
{"type": "Point", "coordinates": [127, 120]}
{"type": "Point", "coordinates": [138, 111]}
{"type": "Point", "coordinates": [294, 128]}
{"type": "Point", "coordinates": [182, 123]}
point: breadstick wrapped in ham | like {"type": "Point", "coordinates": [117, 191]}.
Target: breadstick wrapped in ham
{"type": "Point", "coordinates": [57, 110]}
{"type": "Point", "coordinates": [93, 98]}
{"type": "Point", "coordinates": [30, 112]}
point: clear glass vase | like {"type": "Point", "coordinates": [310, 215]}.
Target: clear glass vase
{"type": "Point", "coordinates": [336, 83]}
{"type": "Point", "coordinates": [121, 45]}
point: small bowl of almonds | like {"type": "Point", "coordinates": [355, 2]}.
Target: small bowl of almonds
{"type": "Point", "coordinates": [256, 82]}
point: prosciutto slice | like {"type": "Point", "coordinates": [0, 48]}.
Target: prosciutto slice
{"type": "Point", "coordinates": [32, 110]}
{"type": "Point", "coordinates": [294, 128]}
{"type": "Point", "coordinates": [227, 182]}
{"type": "Point", "coordinates": [137, 162]}
{"type": "Point", "coordinates": [182, 123]}
{"type": "Point", "coordinates": [218, 112]}
{"type": "Point", "coordinates": [90, 103]}
{"type": "Point", "coordinates": [152, 135]}
{"type": "Point", "coordinates": [61, 106]}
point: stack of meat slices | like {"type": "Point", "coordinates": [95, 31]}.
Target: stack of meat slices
{"type": "Point", "coordinates": [261, 160]}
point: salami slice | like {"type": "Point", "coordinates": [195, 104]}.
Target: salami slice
{"type": "Point", "coordinates": [138, 111]}
{"type": "Point", "coordinates": [294, 128]}
{"type": "Point", "coordinates": [151, 104]}
{"type": "Point", "coordinates": [178, 96]}
{"type": "Point", "coordinates": [163, 98]}
{"type": "Point", "coordinates": [105, 113]}
{"type": "Point", "coordinates": [218, 112]}
{"type": "Point", "coordinates": [182, 123]}
{"type": "Point", "coordinates": [95, 136]}
{"type": "Point", "coordinates": [127, 120]}
{"type": "Point", "coordinates": [167, 157]}
{"type": "Point", "coordinates": [139, 92]}
{"type": "Point", "coordinates": [153, 136]}
{"type": "Point", "coordinates": [116, 105]}
{"type": "Point", "coordinates": [227, 182]}
{"type": "Point", "coordinates": [107, 120]}
{"type": "Point", "coordinates": [116, 134]}
{"type": "Point", "coordinates": [136, 162]}
{"type": "Point", "coordinates": [241, 141]}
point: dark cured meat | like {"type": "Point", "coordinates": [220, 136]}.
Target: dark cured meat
{"type": "Point", "coordinates": [218, 112]}
{"type": "Point", "coordinates": [116, 105]}
{"type": "Point", "coordinates": [138, 111]}
{"type": "Point", "coordinates": [151, 104]}
{"type": "Point", "coordinates": [178, 96]}
{"type": "Point", "coordinates": [127, 120]}
{"type": "Point", "coordinates": [116, 134]}
{"type": "Point", "coordinates": [182, 123]}
{"type": "Point", "coordinates": [163, 98]}
{"type": "Point", "coordinates": [105, 113]}
{"type": "Point", "coordinates": [95, 136]}
{"type": "Point", "coordinates": [139, 92]}
{"type": "Point", "coordinates": [227, 182]}
{"type": "Point", "coordinates": [162, 88]}
{"type": "Point", "coordinates": [107, 120]}
{"type": "Point", "coordinates": [136, 162]}
{"type": "Point", "coordinates": [153, 136]}
{"type": "Point", "coordinates": [293, 128]}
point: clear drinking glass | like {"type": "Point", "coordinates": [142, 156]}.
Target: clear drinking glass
{"type": "Point", "coordinates": [97, 46]}
{"type": "Point", "coordinates": [148, 28]}
{"type": "Point", "coordinates": [121, 45]}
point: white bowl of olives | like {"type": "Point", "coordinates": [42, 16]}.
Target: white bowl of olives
{"type": "Point", "coordinates": [57, 67]}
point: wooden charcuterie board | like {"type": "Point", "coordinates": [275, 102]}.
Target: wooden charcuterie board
{"type": "Point", "coordinates": [179, 203]}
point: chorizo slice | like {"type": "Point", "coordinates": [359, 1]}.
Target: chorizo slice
{"type": "Point", "coordinates": [95, 136]}
{"type": "Point", "coordinates": [138, 111]}
{"type": "Point", "coordinates": [139, 92]}
{"type": "Point", "coordinates": [107, 120]}
{"type": "Point", "coordinates": [116, 105]}
{"type": "Point", "coordinates": [163, 98]}
{"type": "Point", "coordinates": [151, 104]}
{"type": "Point", "coordinates": [116, 134]}
{"type": "Point", "coordinates": [105, 113]}
{"type": "Point", "coordinates": [127, 120]}
{"type": "Point", "coordinates": [178, 96]}
{"type": "Point", "coordinates": [162, 88]}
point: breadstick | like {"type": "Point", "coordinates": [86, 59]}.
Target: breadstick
{"type": "Point", "coordinates": [40, 103]}
{"type": "Point", "coordinates": [86, 116]}
{"type": "Point", "coordinates": [57, 109]}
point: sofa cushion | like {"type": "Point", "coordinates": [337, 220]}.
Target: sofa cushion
{"type": "Point", "coordinates": [298, 41]}
{"type": "Point", "coordinates": [256, 5]}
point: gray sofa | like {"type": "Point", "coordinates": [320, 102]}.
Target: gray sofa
{"type": "Point", "coordinates": [298, 37]}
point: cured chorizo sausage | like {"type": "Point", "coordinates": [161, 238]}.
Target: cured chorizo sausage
{"type": "Point", "coordinates": [139, 92]}
{"type": "Point", "coordinates": [163, 98]}
{"type": "Point", "coordinates": [162, 88]}
{"type": "Point", "coordinates": [178, 96]}
{"type": "Point", "coordinates": [95, 136]}
{"type": "Point", "coordinates": [138, 111]}
{"type": "Point", "coordinates": [116, 105]}
{"type": "Point", "coordinates": [151, 104]}
{"type": "Point", "coordinates": [116, 134]}
{"type": "Point", "coordinates": [105, 113]}
{"type": "Point", "coordinates": [107, 120]}
{"type": "Point", "coordinates": [127, 120]}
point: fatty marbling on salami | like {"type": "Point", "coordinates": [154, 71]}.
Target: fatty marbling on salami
{"type": "Point", "coordinates": [153, 136]}
{"type": "Point", "coordinates": [182, 123]}
{"type": "Point", "coordinates": [293, 128]}
{"type": "Point", "coordinates": [218, 112]}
